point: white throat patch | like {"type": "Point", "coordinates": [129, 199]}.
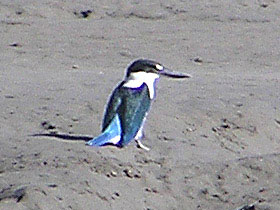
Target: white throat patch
{"type": "Point", "coordinates": [136, 79]}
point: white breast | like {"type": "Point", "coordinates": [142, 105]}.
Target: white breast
{"type": "Point", "coordinates": [136, 79]}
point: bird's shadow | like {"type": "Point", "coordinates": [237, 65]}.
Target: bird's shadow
{"type": "Point", "coordinates": [66, 137]}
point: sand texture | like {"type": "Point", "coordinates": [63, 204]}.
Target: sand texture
{"type": "Point", "coordinates": [214, 138]}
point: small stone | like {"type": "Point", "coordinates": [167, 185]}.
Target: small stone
{"type": "Point", "coordinates": [128, 173]}
{"type": "Point", "coordinates": [247, 207]}
{"type": "Point", "coordinates": [165, 138]}
{"type": "Point", "coordinates": [115, 195]}
{"type": "Point", "coordinates": [86, 13]}
{"type": "Point", "coordinates": [198, 60]}
{"type": "Point", "coordinates": [148, 190]}
{"type": "Point", "coordinates": [114, 173]}
{"type": "Point", "coordinates": [9, 96]}
{"type": "Point", "coordinates": [137, 176]}
{"type": "Point", "coordinates": [264, 5]}
{"type": "Point", "coordinates": [48, 125]}
{"type": "Point", "coordinates": [52, 185]}
{"type": "Point", "coordinates": [262, 190]}
{"type": "Point", "coordinates": [75, 67]}
{"type": "Point", "coordinates": [204, 191]}
{"type": "Point", "coordinates": [19, 12]}
{"type": "Point", "coordinates": [75, 119]}
{"type": "Point", "coordinates": [225, 125]}
{"type": "Point", "coordinates": [238, 104]}
{"type": "Point", "coordinates": [214, 129]}
{"type": "Point", "coordinates": [154, 190]}
{"type": "Point", "coordinates": [15, 44]}
{"type": "Point", "coordinates": [83, 13]}
{"type": "Point", "coordinates": [239, 114]}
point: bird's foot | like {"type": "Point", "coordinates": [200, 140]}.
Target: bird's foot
{"type": "Point", "coordinates": [142, 146]}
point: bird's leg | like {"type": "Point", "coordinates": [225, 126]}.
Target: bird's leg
{"type": "Point", "coordinates": [142, 146]}
{"type": "Point", "coordinates": [138, 138]}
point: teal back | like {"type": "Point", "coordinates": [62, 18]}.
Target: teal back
{"type": "Point", "coordinates": [131, 105]}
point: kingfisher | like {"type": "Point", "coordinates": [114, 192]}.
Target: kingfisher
{"type": "Point", "coordinates": [129, 104]}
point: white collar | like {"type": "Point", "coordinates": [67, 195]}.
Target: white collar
{"type": "Point", "coordinates": [136, 79]}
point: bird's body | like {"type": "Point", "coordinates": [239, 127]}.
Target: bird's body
{"type": "Point", "coordinates": [129, 104]}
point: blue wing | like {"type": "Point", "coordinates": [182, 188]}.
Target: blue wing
{"type": "Point", "coordinates": [111, 135]}
{"type": "Point", "coordinates": [124, 116]}
{"type": "Point", "coordinates": [132, 111]}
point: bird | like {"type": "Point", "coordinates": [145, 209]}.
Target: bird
{"type": "Point", "coordinates": [130, 102]}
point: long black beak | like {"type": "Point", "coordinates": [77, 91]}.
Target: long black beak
{"type": "Point", "coordinates": [172, 74]}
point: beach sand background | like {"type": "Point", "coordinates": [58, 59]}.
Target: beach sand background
{"type": "Point", "coordinates": [214, 138]}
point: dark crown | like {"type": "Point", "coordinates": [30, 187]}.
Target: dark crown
{"type": "Point", "coordinates": [144, 65]}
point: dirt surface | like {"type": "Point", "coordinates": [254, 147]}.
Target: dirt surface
{"type": "Point", "coordinates": [214, 138]}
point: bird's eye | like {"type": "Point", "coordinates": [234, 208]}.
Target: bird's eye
{"type": "Point", "coordinates": [159, 67]}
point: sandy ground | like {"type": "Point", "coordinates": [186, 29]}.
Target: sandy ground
{"type": "Point", "coordinates": [214, 139]}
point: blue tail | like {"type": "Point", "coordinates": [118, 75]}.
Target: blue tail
{"type": "Point", "coordinates": [112, 134]}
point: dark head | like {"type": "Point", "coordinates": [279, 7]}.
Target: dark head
{"type": "Point", "coordinates": [149, 66]}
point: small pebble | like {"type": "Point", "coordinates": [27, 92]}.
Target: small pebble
{"type": "Point", "coordinates": [86, 13]}
{"type": "Point", "coordinates": [198, 60]}
{"type": "Point", "coordinates": [214, 129]}
{"type": "Point", "coordinates": [15, 44]}
{"type": "Point", "coordinates": [137, 176]}
{"type": "Point", "coordinates": [48, 125]}
{"type": "Point", "coordinates": [128, 173]}
{"type": "Point", "coordinates": [83, 14]}
{"type": "Point", "coordinates": [262, 189]}
{"type": "Point", "coordinates": [264, 5]}
{"type": "Point", "coordinates": [238, 104]}
{"type": "Point", "coordinates": [225, 125]}
{"type": "Point", "coordinates": [75, 119]}
{"type": "Point", "coordinates": [75, 67]}
{"type": "Point", "coordinates": [9, 96]}
{"type": "Point", "coordinates": [114, 173]}
{"type": "Point", "coordinates": [239, 114]}
{"type": "Point", "coordinates": [52, 185]}
{"type": "Point", "coordinates": [189, 129]}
